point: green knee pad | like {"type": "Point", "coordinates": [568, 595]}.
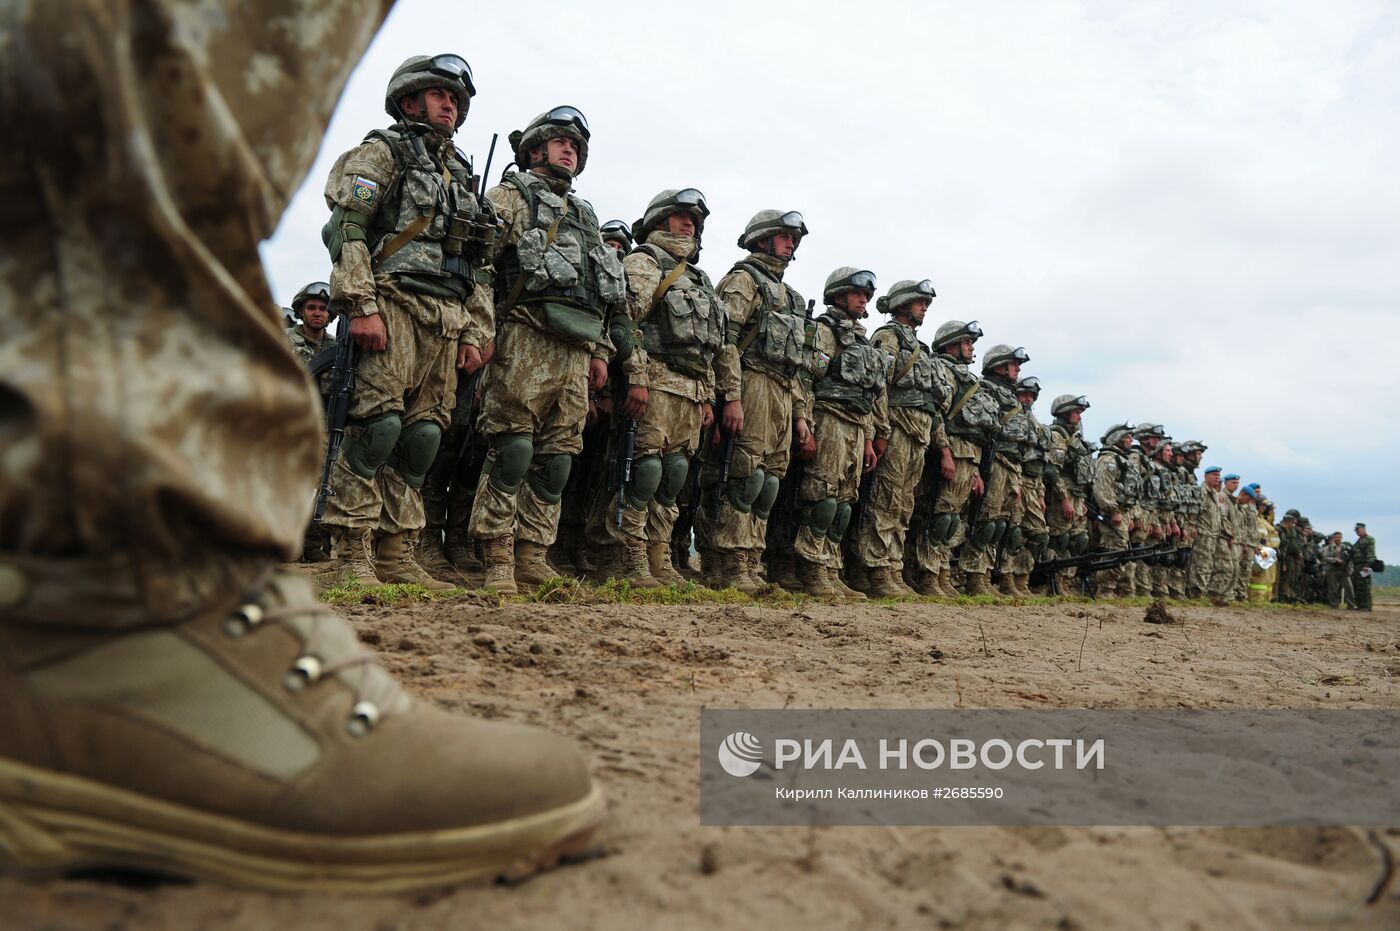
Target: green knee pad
{"type": "Point", "coordinates": [1079, 544]}
{"type": "Point", "coordinates": [763, 504]}
{"type": "Point", "coordinates": [674, 469]}
{"type": "Point", "coordinates": [944, 526]}
{"type": "Point", "coordinates": [819, 515]}
{"type": "Point", "coordinates": [744, 492]}
{"type": "Point", "coordinates": [1014, 538]}
{"type": "Point", "coordinates": [371, 447]}
{"type": "Point", "coordinates": [549, 474]}
{"type": "Point", "coordinates": [513, 452]}
{"type": "Point", "coordinates": [984, 534]}
{"type": "Point", "coordinates": [840, 522]}
{"type": "Point", "coordinates": [415, 451]}
{"type": "Point", "coordinates": [1039, 545]}
{"type": "Point", "coordinates": [1060, 543]}
{"type": "Point", "coordinates": [647, 473]}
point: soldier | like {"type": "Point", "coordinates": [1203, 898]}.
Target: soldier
{"type": "Point", "coordinates": [1070, 464]}
{"type": "Point", "coordinates": [404, 232]}
{"type": "Point", "coordinates": [671, 383]}
{"type": "Point", "coordinates": [1030, 535]}
{"type": "Point", "coordinates": [913, 394]}
{"type": "Point", "coordinates": [618, 235]}
{"type": "Point", "coordinates": [556, 286]}
{"type": "Point", "coordinates": [1167, 529]}
{"type": "Point", "coordinates": [850, 419]}
{"type": "Point", "coordinates": [1335, 564]}
{"type": "Point", "coordinates": [312, 307]}
{"type": "Point", "coordinates": [757, 375]}
{"type": "Point", "coordinates": [1145, 528]}
{"type": "Point", "coordinates": [1245, 531]}
{"type": "Point", "coordinates": [1363, 554]}
{"type": "Point", "coordinates": [972, 422]}
{"type": "Point", "coordinates": [1116, 494]}
{"type": "Point", "coordinates": [1000, 370]}
{"type": "Point", "coordinates": [172, 693]}
{"type": "Point", "coordinates": [1218, 532]}
{"type": "Point", "coordinates": [1185, 494]}
{"type": "Point", "coordinates": [1290, 556]}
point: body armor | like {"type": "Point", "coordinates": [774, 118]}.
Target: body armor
{"type": "Point", "coordinates": [854, 375]}
{"type": "Point", "coordinates": [977, 417]}
{"type": "Point", "coordinates": [774, 339]}
{"type": "Point", "coordinates": [1077, 470]}
{"type": "Point", "coordinates": [919, 386]}
{"type": "Point", "coordinates": [685, 329]}
{"type": "Point", "coordinates": [1035, 460]}
{"type": "Point", "coordinates": [1015, 427]}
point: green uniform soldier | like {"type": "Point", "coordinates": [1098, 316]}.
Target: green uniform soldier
{"type": "Point", "coordinates": [1029, 533]}
{"type": "Point", "coordinates": [556, 286]}
{"type": "Point", "coordinates": [1336, 566]}
{"type": "Point", "coordinates": [1071, 465]}
{"type": "Point", "coordinates": [1363, 554]}
{"type": "Point", "coordinates": [308, 337]}
{"type": "Point", "coordinates": [1117, 486]}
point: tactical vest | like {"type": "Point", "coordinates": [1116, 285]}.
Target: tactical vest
{"type": "Point", "coordinates": [430, 262]}
{"type": "Point", "coordinates": [1154, 487]}
{"type": "Point", "coordinates": [854, 375]}
{"type": "Point", "coordinates": [1077, 471]}
{"type": "Point", "coordinates": [918, 386]}
{"type": "Point", "coordinates": [1131, 477]}
{"type": "Point", "coordinates": [1034, 460]}
{"type": "Point", "coordinates": [977, 416]}
{"type": "Point", "coordinates": [1188, 492]}
{"type": "Point", "coordinates": [775, 337]}
{"type": "Point", "coordinates": [685, 328]}
{"type": "Point", "coordinates": [574, 275]}
{"type": "Point", "coordinates": [1015, 428]}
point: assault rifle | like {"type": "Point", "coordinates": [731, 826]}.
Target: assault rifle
{"type": "Point", "coordinates": [984, 469]}
{"type": "Point", "coordinates": [624, 450]}
{"type": "Point", "coordinates": [726, 461]}
{"type": "Point", "coordinates": [1090, 563]}
{"type": "Point", "coordinates": [340, 360]}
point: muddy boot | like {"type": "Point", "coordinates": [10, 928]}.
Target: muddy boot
{"type": "Point", "coordinates": [975, 583]}
{"type": "Point", "coordinates": [1006, 586]}
{"type": "Point", "coordinates": [432, 556]}
{"type": "Point", "coordinates": [755, 573]}
{"type": "Point", "coordinates": [662, 566]}
{"type": "Point", "coordinates": [560, 558]}
{"type": "Point", "coordinates": [531, 565]}
{"type": "Point", "coordinates": [926, 584]}
{"type": "Point", "coordinates": [500, 566]}
{"type": "Point", "coordinates": [353, 549]}
{"type": "Point", "coordinates": [731, 572]}
{"type": "Point", "coordinates": [609, 562]}
{"type": "Point", "coordinates": [638, 573]}
{"type": "Point", "coordinates": [393, 560]}
{"type": "Point", "coordinates": [856, 576]}
{"type": "Point", "coordinates": [814, 580]}
{"type": "Point", "coordinates": [944, 582]}
{"type": "Point", "coordinates": [1021, 582]}
{"type": "Point", "coordinates": [782, 570]}
{"type": "Point", "coordinates": [838, 584]}
{"type": "Point", "coordinates": [460, 551]}
{"type": "Point", "coordinates": [289, 760]}
{"type": "Point", "coordinates": [710, 575]}
{"type": "Point", "coordinates": [882, 584]}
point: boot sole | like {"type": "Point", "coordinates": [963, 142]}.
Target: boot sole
{"type": "Point", "coordinates": [51, 822]}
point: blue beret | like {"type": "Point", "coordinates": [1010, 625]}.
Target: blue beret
{"type": "Point", "coordinates": [1212, 469]}
{"type": "Point", "coordinates": [1232, 477]}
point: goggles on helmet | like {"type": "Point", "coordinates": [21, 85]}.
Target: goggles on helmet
{"type": "Point", "coordinates": [616, 226]}
{"type": "Point", "coordinates": [1031, 384]}
{"type": "Point", "coordinates": [925, 288]}
{"type": "Point", "coordinates": [450, 66]}
{"type": "Point", "coordinates": [568, 116]}
{"type": "Point", "coordinates": [317, 289]}
{"type": "Point", "coordinates": [865, 280]}
{"type": "Point", "coordinates": [1019, 356]}
{"type": "Point", "coordinates": [972, 330]}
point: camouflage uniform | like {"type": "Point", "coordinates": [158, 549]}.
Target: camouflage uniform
{"type": "Point", "coordinates": [1217, 543]}
{"type": "Point", "coordinates": [1335, 563]}
{"type": "Point", "coordinates": [1363, 554]}
{"type": "Point", "coordinates": [1115, 491]}
{"type": "Point", "coordinates": [1003, 493]}
{"type": "Point", "coordinates": [302, 345]}
{"type": "Point", "coordinates": [1030, 529]}
{"type": "Point", "coordinates": [1071, 464]}
{"type": "Point", "coordinates": [316, 545]}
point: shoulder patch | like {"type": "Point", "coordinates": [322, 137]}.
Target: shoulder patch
{"type": "Point", "coordinates": [364, 190]}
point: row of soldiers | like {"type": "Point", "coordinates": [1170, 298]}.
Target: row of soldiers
{"type": "Point", "coordinates": [540, 395]}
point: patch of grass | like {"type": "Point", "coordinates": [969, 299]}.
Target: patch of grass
{"type": "Point", "coordinates": [353, 593]}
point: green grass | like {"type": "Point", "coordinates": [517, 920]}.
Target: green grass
{"type": "Point", "coordinates": [353, 593]}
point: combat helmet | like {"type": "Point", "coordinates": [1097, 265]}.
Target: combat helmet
{"type": "Point", "coordinates": [686, 200]}
{"type": "Point", "coordinates": [955, 331]}
{"type": "Point", "coordinates": [765, 223]}
{"type": "Point", "coordinates": [1114, 434]}
{"type": "Point", "coordinates": [848, 278]}
{"type": "Point", "coordinates": [1146, 430]}
{"type": "Point", "coordinates": [551, 124]}
{"type": "Point", "coordinates": [617, 230]}
{"type": "Point", "coordinates": [1068, 402]}
{"type": "Point", "coordinates": [904, 293]}
{"type": "Point", "coordinates": [1000, 354]}
{"type": "Point", "coordinates": [315, 289]}
{"type": "Point", "coordinates": [421, 72]}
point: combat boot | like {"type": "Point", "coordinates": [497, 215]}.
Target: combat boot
{"type": "Point", "coordinates": [531, 565]}
{"type": "Point", "coordinates": [782, 570]}
{"type": "Point", "coordinates": [662, 566]}
{"type": "Point", "coordinates": [638, 573]}
{"type": "Point", "coordinates": [1006, 585]}
{"type": "Point", "coordinates": [814, 580]}
{"type": "Point", "coordinates": [882, 584]}
{"type": "Point", "coordinates": [461, 551]}
{"type": "Point", "coordinates": [856, 576]}
{"type": "Point", "coordinates": [395, 564]}
{"type": "Point", "coordinates": [838, 585]}
{"type": "Point", "coordinates": [944, 583]}
{"type": "Point", "coordinates": [353, 549]}
{"type": "Point", "coordinates": [975, 583]}
{"type": "Point", "coordinates": [754, 572]}
{"type": "Point", "coordinates": [731, 572]}
{"type": "Point", "coordinates": [259, 744]}
{"type": "Point", "coordinates": [610, 563]}
{"type": "Point", "coordinates": [710, 575]}
{"type": "Point", "coordinates": [925, 583]}
{"type": "Point", "coordinates": [1021, 582]}
{"type": "Point", "coordinates": [500, 566]}
{"type": "Point", "coordinates": [431, 555]}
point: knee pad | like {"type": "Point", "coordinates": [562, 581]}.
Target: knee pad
{"type": "Point", "coordinates": [818, 515]}
{"type": "Point", "coordinates": [745, 491]}
{"type": "Point", "coordinates": [513, 452]}
{"type": "Point", "coordinates": [1039, 545]}
{"type": "Point", "coordinates": [371, 447]}
{"type": "Point", "coordinates": [1060, 543]}
{"type": "Point", "coordinates": [984, 534]}
{"type": "Point", "coordinates": [674, 470]}
{"type": "Point", "coordinates": [840, 522]}
{"type": "Point", "coordinates": [647, 473]}
{"type": "Point", "coordinates": [763, 504]}
{"type": "Point", "coordinates": [549, 474]}
{"type": "Point", "coordinates": [943, 528]}
{"type": "Point", "coordinates": [1079, 544]}
{"type": "Point", "coordinates": [1014, 538]}
{"type": "Point", "coordinates": [415, 451]}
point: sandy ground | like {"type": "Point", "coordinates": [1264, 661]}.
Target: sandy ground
{"type": "Point", "coordinates": [629, 681]}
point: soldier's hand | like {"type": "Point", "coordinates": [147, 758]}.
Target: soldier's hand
{"type": "Point", "coordinates": [1066, 509]}
{"type": "Point", "coordinates": [881, 444]}
{"type": "Point", "coordinates": [468, 358]}
{"type": "Point", "coordinates": [369, 333]}
{"type": "Point", "coordinates": [489, 352]}
{"type": "Point", "coordinates": [979, 487]}
{"type": "Point", "coordinates": [636, 404]}
{"type": "Point", "coordinates": [1115, 519]}
{"type": "Point", "coordinates": [732, 419]}
{"type": "Point", "coordinates": [946, 467]}
{"type": "Point", "coordinates": [807, 446]}
{"type": "Point", "coordinates": [707, 416]}
{"type": "Point", "coordinates": [597, 374]}
{"type": "Point", "coordinates": [872, 459]}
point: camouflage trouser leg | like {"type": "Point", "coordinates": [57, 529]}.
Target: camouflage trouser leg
{"type": "Point", "coordinates": [1200, 571]}
{"type": "Point", "coordinates": [997, 507]}
{"type": "Point", "coordinates": [765, 443]}
{"type": "Point", "coordinates": [1113, 536]}
{"type": "Point", "coordinates": [883, 534]}
{"type": "Point", "coordinates": [1223, 567]}
{"type": "Point", "coordinates": [538, 387]}
{"type": "Point", "coordinates": [671, 424]}
{"type": "Point", "coordinates": [834, 473]}
{"type": "Point", "coordinates": [1246, 564]}
{"type": "Point", "coordinates": [1362, 584]}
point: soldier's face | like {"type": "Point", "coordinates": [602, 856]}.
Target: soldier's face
{"type": "Point", "coordinates": [1074, 416]}
{"type": "Point", "coordinates": [562, 152]}
{"type": "Point", "coordinates": [1213, 480]}
{"type": "Point", "coordinates": [916, 310]}
{"type": "Point", "coordinates": [617, 244]}
{"type": "Point", "coordinates": [315, 313]}
{"type": "Point", "coordinates": [1012, 370]}
{"type": "Point", "coordinates": [1336, 538]}
{"type": "Point", "coordinates": [1360, 532]}
{"type": "Point", "coordinates": [1026, 398]}
{"type": "Point", "coordinates": [964, 349]}
{"type": "Point", "coordinates": [856, 302]}
{"type": "Point", "coordinates": [680, 224]}
{"type": "Point", "coordinates": [1232, 485]}
{"type": "Point", "coordinates": [439, 107]}
{"type": "Point", "coordinates": [784, 245]}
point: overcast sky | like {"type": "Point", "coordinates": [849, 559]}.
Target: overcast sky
{"type": "Point", "coordinates": [1189, 212]}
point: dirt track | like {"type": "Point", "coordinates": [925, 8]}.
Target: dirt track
{"type": "Point", "coordinates": [629, 680]}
